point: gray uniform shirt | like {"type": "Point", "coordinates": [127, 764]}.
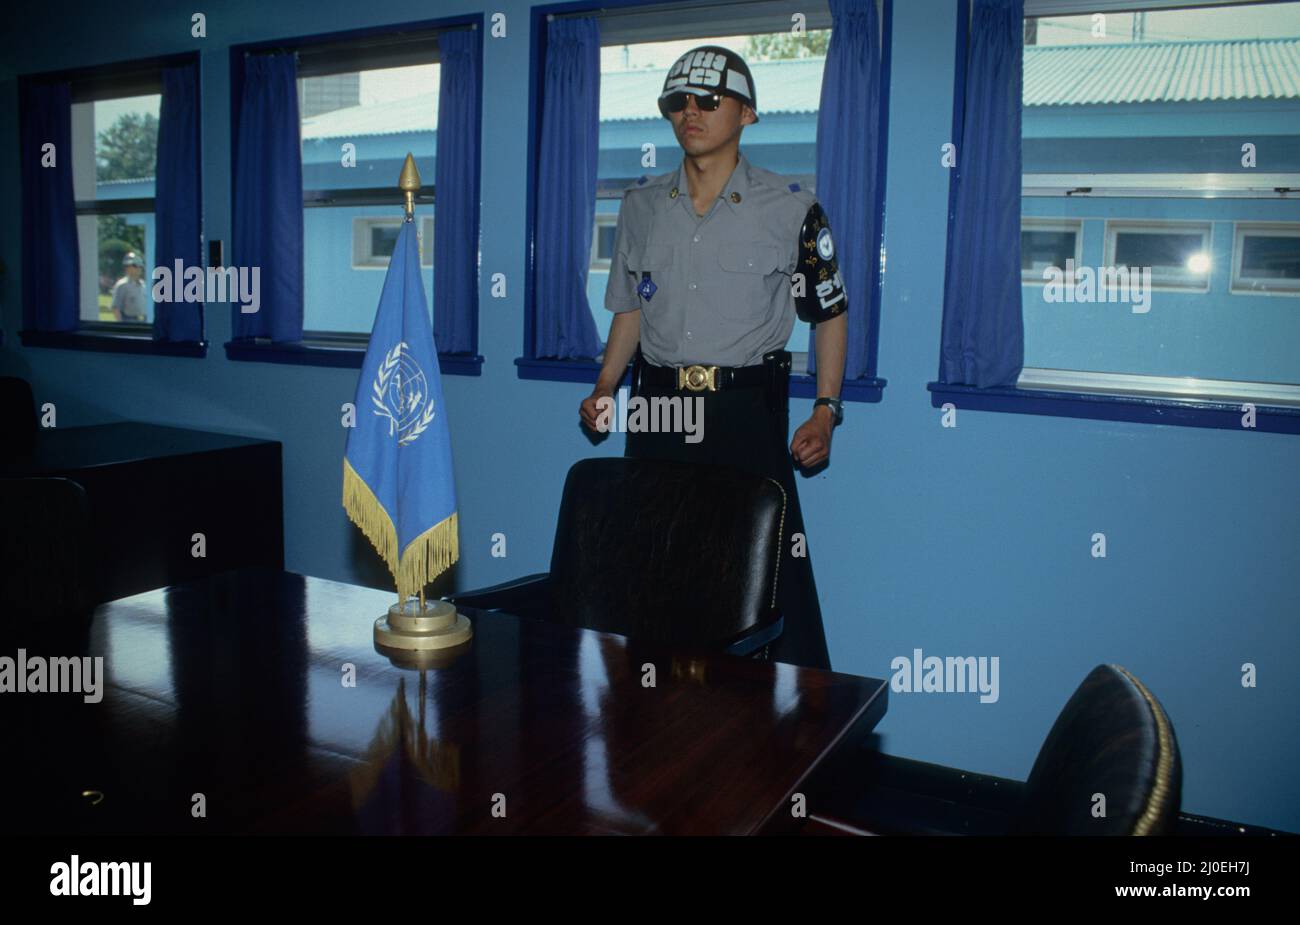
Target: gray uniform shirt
{"type": "Point", "coordinates": [128, 298]}
{"type": "Point", "coordinates": [712, 289]}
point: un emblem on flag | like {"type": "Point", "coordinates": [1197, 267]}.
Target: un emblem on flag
{"type": "Point", "coordinates": [401, 393]}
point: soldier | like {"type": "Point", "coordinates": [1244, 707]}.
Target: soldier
{"type": "Point", "coordinates": [711, 264]}
{"type": "Point", "coordinates": [129, 293]}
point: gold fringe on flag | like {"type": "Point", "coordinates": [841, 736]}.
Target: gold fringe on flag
{"type": "Point", "coordinates": [424, 558]}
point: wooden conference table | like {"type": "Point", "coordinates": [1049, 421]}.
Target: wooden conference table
{"type": "Point", "coordinates": [230, 694]}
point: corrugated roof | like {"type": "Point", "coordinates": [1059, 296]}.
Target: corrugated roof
{"type": "Point", "coordinates": [1162, 72]}
{"type": "Point", "coordinates": [624, 95]}
{"type": "Point", "coordinates": [1055, 75]}
{"type": "Point", "coordinates": [413, 114]}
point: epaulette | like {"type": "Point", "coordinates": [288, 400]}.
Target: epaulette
{"type": "Point", "coordinates": [775, 181]}
{"type": "Point", "coordinates": [646, 180]}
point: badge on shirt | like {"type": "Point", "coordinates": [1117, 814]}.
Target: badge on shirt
{"type": "Point", "coordinates": [647, 287]}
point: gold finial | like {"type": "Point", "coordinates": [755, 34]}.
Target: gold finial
{"type": "Point", "coordinates": [409, 183]}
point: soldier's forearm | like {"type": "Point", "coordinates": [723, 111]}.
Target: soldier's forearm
{"type": "Point", "coordinates": [624, 335]}
{"type": "Point", "coordinates": [832, 346]}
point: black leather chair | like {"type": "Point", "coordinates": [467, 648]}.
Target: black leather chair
{"type": "Point", "coordinates": [1112, 738]}
{"type": "Point", "coordinates": [45, 544]}
{"type": "Point", "coordinates": [17, 416]}
{"type": "Point", "coordinates": [667, 553]}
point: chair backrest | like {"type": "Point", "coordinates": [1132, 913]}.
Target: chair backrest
{"type": "Point", "coordinates": [667, 552]}
{"type": "Point", "coordinates": [1114, 739]}
{"type": "Point", "coordinates": [46, 547]}
{"type": "Point", "coordinates": [17, 415]}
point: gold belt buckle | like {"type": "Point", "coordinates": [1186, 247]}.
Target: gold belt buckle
{"type": "Point", "coordinates": [697, 378]}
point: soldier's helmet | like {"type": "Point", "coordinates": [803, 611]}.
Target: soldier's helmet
{"type": "Point", "coordinates": [704, 70]}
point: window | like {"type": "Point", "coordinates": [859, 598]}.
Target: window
{"type": "Point", "coordinates": [373, 240]}
{"type": "Point", "coordinates": [787, 71]}
{"type": "Point", "coordinates": [1166, 138]}
{"type": "Point", "coordinates": [115, 148]}
{"type": "Point", "coordinates": [1266, 259]}
{"type": "Point", "coordinates": [1177, 255]}
{"type": "Point", "coordinates": [1046, 244]}
{"type": "Point", "coordinates": [363, 106]}
{"type": "Point", "coordinates": [602, 244]}
{"type": "Point", "coordinates": [787, 74]}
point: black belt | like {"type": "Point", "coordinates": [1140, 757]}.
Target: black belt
{"type": "Point", "coordinates": [705, 378]}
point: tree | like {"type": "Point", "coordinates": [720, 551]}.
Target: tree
{"type": "Point", "coordinates": [782, 46]}
{"type": "Point", "coordinates": [128, 149]}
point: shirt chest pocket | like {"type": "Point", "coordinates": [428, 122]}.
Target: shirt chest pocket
{"type": "Point", "coordinates": [749, 271]}
{"type": "Point", "coordinates": [655, 259]}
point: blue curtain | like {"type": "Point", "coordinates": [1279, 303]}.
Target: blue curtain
{"type": "Point", "coordinates": [455, 236]}
{"type": "Point", "coordinates": [566, 197]}
{"type": "Point", "coordinates": [51, 269]}
{"type": "Point", "coordinates": [178, 201]}
{"type": "Point", "coordinates": [268, 197]}
{"type": "Point", "coordinates": [848, 152]}
{"type": "Point", "coordinates": [983, 330]}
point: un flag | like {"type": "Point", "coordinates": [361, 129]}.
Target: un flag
{"type": "Point", "coordinates": [397, 477]}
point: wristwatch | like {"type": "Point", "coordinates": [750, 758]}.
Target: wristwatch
{"type": "Point", "coordinates": [836, 406]}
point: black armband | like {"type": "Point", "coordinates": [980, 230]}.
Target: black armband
{"type": "Point", "coordinates": [818, 288]}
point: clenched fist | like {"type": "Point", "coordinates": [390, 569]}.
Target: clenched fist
{"type": "Point", "coordinates": [590, 409]}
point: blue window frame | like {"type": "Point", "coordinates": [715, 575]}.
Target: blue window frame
{"type": "Point", "coordinates": [1120, 180]}
{"type": "Point", "coordinates": [376, 89]}
{"type": "Point", "coordinates": [647, 42]}
{"type": "Point", "coordinates": [115, 110]}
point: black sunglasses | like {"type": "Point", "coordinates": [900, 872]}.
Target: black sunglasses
{"type": "Point", "coordinates": [676, 102]}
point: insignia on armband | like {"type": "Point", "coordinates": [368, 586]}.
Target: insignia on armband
{"type": "Point", "coordinates": [818, 287]}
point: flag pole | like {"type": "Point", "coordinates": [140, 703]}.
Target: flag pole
{"type": "Point", "coordinates": [409, 183]}
{"type": "Point", "coordinates": [432, 634]}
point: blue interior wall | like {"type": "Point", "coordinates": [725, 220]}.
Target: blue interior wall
{"type": "Point", "coordinates": [964, 541]}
